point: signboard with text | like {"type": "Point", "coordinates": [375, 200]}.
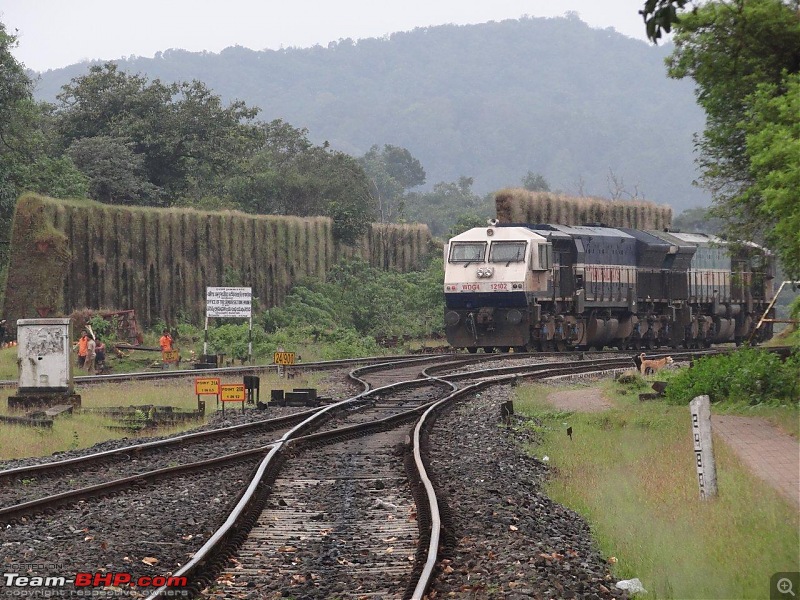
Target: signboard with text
{"type": "Point", "coordinates": [229, 302]}
{"type": "Point", "coordinates": [232, 392]}
{"type": "Point", "coordinates": [170, 356]}
{"type": "Point", "coordinates": [283, 358]}
{"type": "Point", "coordinates": [206, 385]}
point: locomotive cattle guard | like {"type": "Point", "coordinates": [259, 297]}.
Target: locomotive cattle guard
{"type": "Point", "coordinates": [538, 287]}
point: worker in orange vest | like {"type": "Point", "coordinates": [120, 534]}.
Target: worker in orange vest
{"type": "Point", "coordinates": [83, 348]}
{"type": "Point", "coordinates": [166, 341]}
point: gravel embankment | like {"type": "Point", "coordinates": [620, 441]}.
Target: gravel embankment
{"type": "Point", "coordinates": [508, 539]}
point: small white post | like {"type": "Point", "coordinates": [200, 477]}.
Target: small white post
{"type": "Point", "coordinates": [205, 338]}
{"type": "Point", "coordinates": [250, 341]}
{"type": "Point", "coordinates": [703, 446]}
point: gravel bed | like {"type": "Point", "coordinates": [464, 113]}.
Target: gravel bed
{"type": "Point", "coordinates": [166, 521]}
{"type": "Point", "coordinates": [216, 421]}
{"type": "Point", "coordinates": [508, 539]}
{"type": "Point", "coordinates": [126, 465]}
{"type": "Point", "coordinates": [529, 360]}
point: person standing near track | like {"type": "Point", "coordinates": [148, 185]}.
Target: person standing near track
{"type": "Point", "coordinates": [83, 343]}
{"type": "Point", "coordinates": [166, 341]}
{"type": "Point", "coordinates": [91, 354]}
{"type": "Point", "coordinates": [166, 346]}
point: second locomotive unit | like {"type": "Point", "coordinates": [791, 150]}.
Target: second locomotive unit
{"type": "Point", "coordinates": [532, 287]}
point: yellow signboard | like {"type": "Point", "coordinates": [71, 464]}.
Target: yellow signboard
{"type": "Point", "coordinates": [283, 358]}
{"type": "Point", "coordinates": [232, 392]}
{"type": "Point", "coordinates": [206, 385]}
{"type": "Point", "coordinates": [170, 356]}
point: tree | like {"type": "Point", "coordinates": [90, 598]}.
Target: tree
{"type": "Point", "coordinates": [697, 220]}
{"type": "Point", "coordinates": [535, 182]}
{"type": "Point", "coordinates": [660, 15]}
{"type": "Point", "coordinates": [392, 172]}
{"type": "Point", "coordinates": [744, 56]}
{"type": "Point", "coordinates": [773, 146]}
{"type": "Point", "coordinates": [447, 203]}
{"type": "Point", "coordinates": [29, 158]}
{"type": "Point", "coordinates": [290, 175]}
{"type": "Point", "coordinates": [115, 172]}
{"type": "Point", "coordinates": [186, 138]}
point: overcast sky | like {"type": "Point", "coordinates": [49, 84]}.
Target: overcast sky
{"type": "Point", "coordinates": [56, 33]}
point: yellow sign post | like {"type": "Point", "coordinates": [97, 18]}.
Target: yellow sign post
{"type": "Point", "coordinates": [170, 356]}
{"type": "Point", "coordinates": [232, 392]}
{"type": "Point", "coordinates": [206, 386]}
{"type": "Point", "coordinates": [283, 358]}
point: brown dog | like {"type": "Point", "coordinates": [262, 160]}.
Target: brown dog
{"type": "Point", "coordinates": [652, 366]}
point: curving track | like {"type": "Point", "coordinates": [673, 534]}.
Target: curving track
{"type": "Point", "coordinates": [324, 510]}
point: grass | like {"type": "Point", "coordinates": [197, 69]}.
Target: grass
{"type": "Point", "coordinates": [630, 472]}
{"type": "Point", "coordinates": [83, 430]}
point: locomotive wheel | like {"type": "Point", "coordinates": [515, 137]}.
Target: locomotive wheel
{"type": "Point", "coordinates": [488, 349]}
{"type": "Point", "coordinates": [520, 349]}
{"type": "Point", "coordinates": [472, 349]}
{"type": "Point", "coordinates": [503, 349]}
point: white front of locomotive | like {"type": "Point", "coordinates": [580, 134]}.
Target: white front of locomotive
{"type": "Point", "coordinates": [491, 274]}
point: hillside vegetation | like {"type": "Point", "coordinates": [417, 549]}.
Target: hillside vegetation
{"type": "Point", "coordinates": [584, 107]}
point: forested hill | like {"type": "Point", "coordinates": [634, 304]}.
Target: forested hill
{"type": "Point", "coordinates": [580, 106]}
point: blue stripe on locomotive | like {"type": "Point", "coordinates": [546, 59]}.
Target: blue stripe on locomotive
{"type": "Point", "coordinates": [490, 299]}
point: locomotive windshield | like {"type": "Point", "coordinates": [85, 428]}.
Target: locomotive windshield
{"type": "Point", "coordinates": [507, 252]}
{"type": "Point", "coordinates": [467, 252]}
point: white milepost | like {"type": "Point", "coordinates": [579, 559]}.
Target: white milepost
{"type": "Point", "coordinates": [703, 447]}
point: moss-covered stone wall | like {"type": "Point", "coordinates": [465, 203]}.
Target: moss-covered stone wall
{"type": "Point", "coordinates": [68, 255]}
{"type": "Point", "coordinates": [522, 206]}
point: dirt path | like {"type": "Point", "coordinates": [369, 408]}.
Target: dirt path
{"type": "Point", "coordinates": [583, 400]}
{"type": "Point", "coordinates": [769, 453]}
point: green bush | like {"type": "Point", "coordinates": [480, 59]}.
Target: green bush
{"type": "Point", "coordinates": [748, 375]}
{"type": "Point", "coordinates": [365, 299]}
{"type": "Point", "coordinates": [337, 318]}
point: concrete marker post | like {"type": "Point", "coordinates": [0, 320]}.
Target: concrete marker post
{"type": "Point", "coordinates": [700, 408]}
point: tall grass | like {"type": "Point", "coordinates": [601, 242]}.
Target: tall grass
{"type": "Point", "coordinates": [71, 254]}
{"type": "Point", "coordinates": [522, 206]}
{"type": "Point", "coordinates": [630, 471]}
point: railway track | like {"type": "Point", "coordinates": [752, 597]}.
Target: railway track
{"type": "Point", "coordinates": [24, 485]}
{"type": "Point", "coordinates": [324, 481]}
{"type": "Point", "coordinates": [285, 547]}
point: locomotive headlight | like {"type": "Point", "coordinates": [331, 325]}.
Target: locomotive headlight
{"type": "Point", "coordinates": [514, 316]}
{"type": "Point", "coordinates": [485, 272]}
{"type": "Point", "coordinates": [451, 317]}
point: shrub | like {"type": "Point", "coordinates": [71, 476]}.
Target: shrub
{"type": "Point", "coordinates": [749, 375]}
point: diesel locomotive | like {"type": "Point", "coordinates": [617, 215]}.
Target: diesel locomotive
{"type": "Point", "coordinates": [558, 287]}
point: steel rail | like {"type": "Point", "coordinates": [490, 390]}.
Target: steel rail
{"type": "Point", "coordinates": [207, 553]}
{"type": "Point", "coordinates": [10, 513]}
{"type": "Point", "coordinates": [233, 371]}
{"type": "Point", "coordinates": [165, 443]}
{"type": "Point", "coordinates": [428, 570]}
